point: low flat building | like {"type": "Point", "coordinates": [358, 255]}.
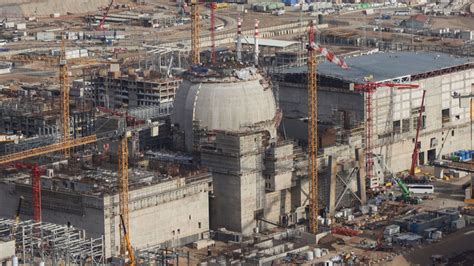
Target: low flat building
{"type": "Point", "coordinates": [162, 209]}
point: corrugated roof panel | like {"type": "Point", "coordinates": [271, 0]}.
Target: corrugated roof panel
{"type": "Point", "coordinates": [383, 66]}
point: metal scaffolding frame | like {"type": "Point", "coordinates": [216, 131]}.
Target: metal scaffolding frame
{"type": "Point", "coordinates": [53, 243]}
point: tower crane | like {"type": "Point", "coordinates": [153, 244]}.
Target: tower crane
{"type": "Point", "coordinates": [195, 31]}
{"type": "Point", "coordinates": [126, 238]}
{"type": "Point", "coordinates": [123, 187]}
{"type": "Point", "coordinates": [124, 134]}
{"type": "Point", "coordinates": [313, 122]}
{"type": "Point", "coordinates": [414, 156]}
{"type": "Point", "coordinates": [369, 88]}
{"type": "Point", "coordinates": [213, 31]}
{"type": "Point", "coordinates": [64, 88]}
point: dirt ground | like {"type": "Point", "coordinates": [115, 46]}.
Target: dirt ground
{"type": "Point", "coordinates": [464, 23]}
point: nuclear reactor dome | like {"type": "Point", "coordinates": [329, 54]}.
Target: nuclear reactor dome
{"type": "Point", "coordinates": [239, 100]}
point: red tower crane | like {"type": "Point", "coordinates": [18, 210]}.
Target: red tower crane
{"type": "Point", "coordinates": [414, 156]}
{"type": "Point", "coordinates": [36, 172]}
{"type": "Point", "coordinates": [369, 89]}
{"type": "Point", "coordinates": [106, 12]}
{"type": "Point", "coordinates": [36, 187]}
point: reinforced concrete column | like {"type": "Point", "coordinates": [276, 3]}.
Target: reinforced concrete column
{"type": "Point", "coordinates": [332, 185]}
{"type": "Point", "coordinates": [361, 175]}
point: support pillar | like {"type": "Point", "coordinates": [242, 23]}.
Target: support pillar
{"type": "Point", "coordinates": [332, 185]}
{"type": "Point", "coordinates": [360, 158]}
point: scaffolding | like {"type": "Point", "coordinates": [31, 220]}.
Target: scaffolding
{"type": "Point", "coordinates": [53, 244]}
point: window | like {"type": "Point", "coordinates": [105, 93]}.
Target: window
{"type": "Point", "coordinates": [423, 122]}
{"type": "Point", "coordinates": [445, 115]}
{"type": "Point", "coordinates": [452, 133]}
{"type": "Point", "coordinates": [396, 126]}
{"type": "Point", "coordinates": [190, 217]}
{"type": "Point", "coordinates": [433, 142]}
{"type": "Point", "coordinates": [405, 125]}
{"type": "Point", "coordinates": [179, 231]}
{"type": "Point", "coordinates": [199, 224]}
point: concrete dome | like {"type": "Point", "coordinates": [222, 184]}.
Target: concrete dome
{"type": "Point", "coordinates": [231, 104]}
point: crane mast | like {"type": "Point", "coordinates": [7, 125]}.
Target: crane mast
{"type": "Point", "coordinates": [312, 134]}
{"type": "Point", "coordinates": [414, 156]}
{"type": "Point", "coordinates": [213, 32]}
{"type": "Point", "coordinates": [123, 189]}
{"type": "Point", "coordinates": [195, 32]}
{"type": "Point", "coordinates": [64, 87]}
{"type": "Point", "coordinates": [106, 13]}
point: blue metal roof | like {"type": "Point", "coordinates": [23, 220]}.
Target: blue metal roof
{"type": "Point", "coordinates": [383, 66]}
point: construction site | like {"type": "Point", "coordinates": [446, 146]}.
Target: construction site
{"type": "Point", "coordinates": [151, 132]}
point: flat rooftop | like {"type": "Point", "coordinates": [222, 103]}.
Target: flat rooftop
{"type": "Point", "coordinates": [383, 66]}
{"type": "Point", "coordinates": [268, 42]}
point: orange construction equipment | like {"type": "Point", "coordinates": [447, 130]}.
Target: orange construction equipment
{"type": "Point", "coordinates": [64, 88]}
{"type": "Point", "coordinates": [213, 32]}
{"type": "Point", "coordinates": [126, 238]}
{"type": "Point", "coordinates": [195, 30]}
{"type": "Point", "coordinates": [313, 122]}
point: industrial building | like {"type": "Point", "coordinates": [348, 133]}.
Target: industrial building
{"type": "Point", "coordinates": [31, 111]}
{"type": "Point", "coordinates": [176, 208]}
{"type": "Point", "coordinates": [117, 92]}
{"type": "Point", "coordinates": [446, 122]}
{"type": "Point", "coordinates": [229, 119]}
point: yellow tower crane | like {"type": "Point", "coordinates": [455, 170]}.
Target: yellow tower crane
{"type": "Point", "coordinates": [313, 122]}
{"type": "Point", "coordinates": [312, 134]}
{"type": "Point", "coordinates": [64, 88]}
{"type": "Point", "coordinates": [123, 188]}
{"type": "Point", "coordinates": [195, 32]}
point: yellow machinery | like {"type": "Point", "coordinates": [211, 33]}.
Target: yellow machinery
{"type": "Point", "coordinates": [126, 239]}
{"type": "Point", "coordinates": [47, 149]}
{"type": "Point", "coordinates": [17, 217]}
{"type": "Point", "coordinates": [123, 190]}
{"type": "Point", "coordinates": [312, 134]}
{"type": "Point", "coordinates": [195, 32]}
{"type": "Point", "coordinates": [64, 88]}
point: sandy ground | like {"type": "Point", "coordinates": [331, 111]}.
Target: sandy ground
{"type": "Point", "coordinates": [464, 23]}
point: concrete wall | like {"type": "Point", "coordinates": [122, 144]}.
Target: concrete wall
{"type": "Point", "coordinates": [238, 185]}
{"type": "Point", "coordinates": [154, 211]}
{"type": "Point", "coordinates": [293, 99]}
{"type": "Point", "coordinates": [438, 137]}
{"type": "Point", "coordinates": [390, 106]}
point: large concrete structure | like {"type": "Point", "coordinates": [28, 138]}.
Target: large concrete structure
{"type": "Point", "coordinates": [447, 124]}
{"type": "Point", "coordinates": [117, 92]}
{"type": "Point", "coordinates": [34, 111]}
{"type": "Point", "coordinates": [163, 210]}
{"type": "Point", "coordinates": [229, 118]}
